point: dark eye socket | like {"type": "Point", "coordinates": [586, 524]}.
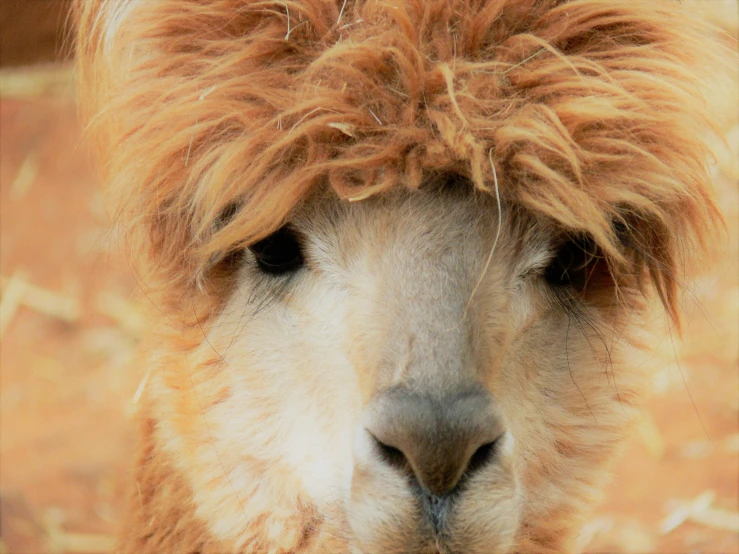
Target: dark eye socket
{"type": "Point", "coordinates": [574, 263]}
{"type": "Point", "coordinates": [279, 253]}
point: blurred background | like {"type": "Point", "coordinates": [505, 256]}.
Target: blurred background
{"type": "Point", "coordinates": [69, 326]}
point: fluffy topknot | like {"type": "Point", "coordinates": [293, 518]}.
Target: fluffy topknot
{"type": "Point", "coordinates": [586, 111]}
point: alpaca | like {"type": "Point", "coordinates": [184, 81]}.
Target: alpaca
{"type": "Point", "coordinates": [402, 254]}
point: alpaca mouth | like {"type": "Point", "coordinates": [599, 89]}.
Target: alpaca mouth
{"type": "Point", "coordinates": [436, 511]}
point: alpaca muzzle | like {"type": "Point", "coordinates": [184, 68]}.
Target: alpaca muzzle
{"type": "Point", "coordinates": [437, 441]}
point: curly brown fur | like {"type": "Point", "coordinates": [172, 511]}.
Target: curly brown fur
{"type": "Point", "coordinates": [590, 110]}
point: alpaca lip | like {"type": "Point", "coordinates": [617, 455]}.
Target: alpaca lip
{"type": "Point", "coordinates": [436, 509]}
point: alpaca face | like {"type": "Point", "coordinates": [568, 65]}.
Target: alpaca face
{"type": "Point", "coordinates": [418, 377]}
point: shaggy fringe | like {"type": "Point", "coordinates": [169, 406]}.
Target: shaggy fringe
{"type": "Point", "coordinates": [589, 110]}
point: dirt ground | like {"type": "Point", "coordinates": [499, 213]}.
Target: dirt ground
{"type": "Point", "coordinates": [69, 325]}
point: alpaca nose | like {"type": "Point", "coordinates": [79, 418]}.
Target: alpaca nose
{"type": "Point", "coordinates": [440, 440]}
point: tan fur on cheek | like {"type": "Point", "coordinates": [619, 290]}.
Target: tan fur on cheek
{"type": "Point", "coordinates": [256, 447]}
{"type": "Point", "coordinates": [189, 399]}
{"type": "Point", "coordinates": [565, 456]}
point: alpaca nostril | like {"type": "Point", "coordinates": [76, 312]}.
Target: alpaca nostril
{"type": "Point", "coordinates": [392, 456]}
{"type": "Point", "coordinates": [482, 457]}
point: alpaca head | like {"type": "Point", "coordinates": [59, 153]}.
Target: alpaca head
{"type": "Point", "coordinates": [401, 252]}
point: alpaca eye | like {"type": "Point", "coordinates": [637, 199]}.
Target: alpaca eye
{"type": "Point", "coordinates": [573, 264]}
{"type": "Point", "coordinates": [278, 253]}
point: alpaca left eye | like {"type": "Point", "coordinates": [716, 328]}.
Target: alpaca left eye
{"type": "Point", "coordinates": [279, 253]}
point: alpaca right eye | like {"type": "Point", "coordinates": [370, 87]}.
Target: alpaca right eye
{"type": "Point", "coordinates": [279, 253]}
